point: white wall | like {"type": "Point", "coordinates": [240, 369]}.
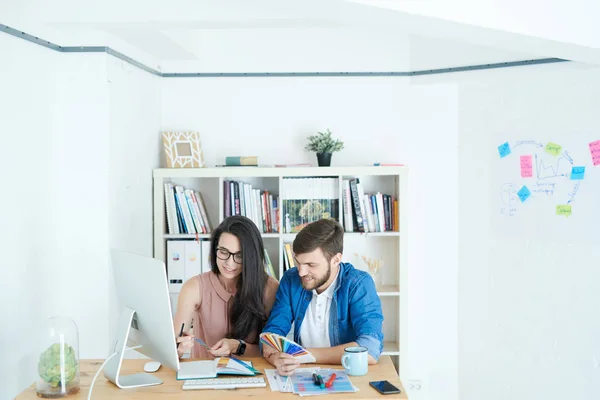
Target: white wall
{"type": "Point", "coordinates": [380, 120]}
{"type": "Point", "coordinates": [527, 297]}
{"type": "Point", "coordinates": [54, 230]}
{"type": "Point", "coordinates": [134, 151]}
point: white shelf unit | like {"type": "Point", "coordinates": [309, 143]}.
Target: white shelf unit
{"type": "Point", "coordinates": [391, 247]}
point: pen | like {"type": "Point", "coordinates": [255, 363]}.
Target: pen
{"type": "Point", "coordinates": [315, 378]}
{"type": "Point", "coordinates": [199, 341]}
{"type": "Point", "coordinates": [181, 331]}
{"type": "Point", "coordinates": [321, 382]}
{"type": "Point", "coordinates": [330, 381]}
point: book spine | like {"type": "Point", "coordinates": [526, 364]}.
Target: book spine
{"type": "Point", "coordinates": [233, 161]}
{"type": "Point", "coordinates": [389, 212]}
{"type": "Point", "coordinates": [203, 211]}
{"type": "Point", "coordinates": [348, 222]}
{"type": "Point", "coordinates": [356, 206]}
{"type": "Point", "coordinates": [386, 207]}
{"type": "Point", "coordinates": [381, 211]}
{"type": "Point", "coordinates": [185, 210]}
{"type": "Point", "coordinates": [180, 220]}
{"type": "Point", "coordinates": [363, 210]}
{"type": "Point", "coordinates": [227, 201]}
{"type": "Point", "coordinates": [193, 211]}
{"type": "Point", "coordinates": [243, 209]}
{"type": "Point", "coordinates": [375, 213]}
{"type": "Point", "coordinates": [396, 216]}
{"type": "Point", "coordinates": [170, 207]}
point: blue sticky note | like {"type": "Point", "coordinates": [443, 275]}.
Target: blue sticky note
{"type": "Point", "coordinates": [524, 193]}
{"type": "Point", "coordinates": [504, 150]}
{"type": "Point", "coordinates": [577, 173]}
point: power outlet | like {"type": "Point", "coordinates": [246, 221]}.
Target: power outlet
{"type": "Point", "coordinates": [414, 384]}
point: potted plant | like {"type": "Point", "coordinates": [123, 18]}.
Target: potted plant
{"type": "Point", "coordinates": [324, 145]}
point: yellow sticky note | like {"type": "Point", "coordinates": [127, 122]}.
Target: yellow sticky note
{"type": "Point", "coordinates": [553, 148]}
{"type": "Point", "coordinates": [563, 209]}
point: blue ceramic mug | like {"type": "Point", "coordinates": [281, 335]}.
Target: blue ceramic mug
{"type": "Point", "coordinates": [356, 360]}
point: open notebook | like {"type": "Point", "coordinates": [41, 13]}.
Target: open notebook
{"type": "Point", "coordinates": [211, 368]}
{"type": "Point", "coordinates": [285, 345]}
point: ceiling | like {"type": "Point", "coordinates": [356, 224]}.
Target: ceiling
{"type": "Point", "coordinates": [208, 33]}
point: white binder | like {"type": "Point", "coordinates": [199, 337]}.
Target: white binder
{"type": "Point", "coordinates": [175, 265]}
{"type": "Point", "coordinates": [193, 259]}
{"type": "Point", "coordinates": [206, 256]}
{"type": "Point", "coordinates": [174, 297]}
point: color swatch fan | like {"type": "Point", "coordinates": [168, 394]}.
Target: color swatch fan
{"type": "Point", "coordinates": [285, 345]}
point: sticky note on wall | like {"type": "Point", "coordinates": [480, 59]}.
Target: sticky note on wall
{"type": "Point", "coordinates": [526, 166]}
{"type": "Point", "coordinates": [595, 152]}
{"type": "Point", "coordinates": [577, 173]}
{"type": "Point", "coordinates": [553, 148]}
{"type": "Point", "coordinates": [523, 193]}
{"type": "Point", "coordinates": [563, 209]}
{"type": "Point", "coordinates": [504, 149]}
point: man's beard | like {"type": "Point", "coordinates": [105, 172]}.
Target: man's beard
{"type": "Point", "coordinates": [321, 281]}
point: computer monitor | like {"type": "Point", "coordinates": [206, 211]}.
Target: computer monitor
{"type": "Point", "coordinates": [145, 319]}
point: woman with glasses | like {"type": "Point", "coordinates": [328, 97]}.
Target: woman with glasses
{"type": "Point", "coordinates": [229, 305]}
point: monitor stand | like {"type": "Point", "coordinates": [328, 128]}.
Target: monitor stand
{"type": "Point", "coordinates": [113, 366]}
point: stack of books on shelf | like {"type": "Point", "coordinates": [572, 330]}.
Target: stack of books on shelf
{"type": "Point", "coordinates": [364, 212]}
{"type": "Point", "coordinates": [240, 198]}
{"type": "Point", "coordinates": [306, 200]}
{"type": "Point", "coordinates": [185, 210]}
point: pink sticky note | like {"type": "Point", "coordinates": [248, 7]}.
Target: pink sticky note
{"type": "Point", "coordinates": [526, 167]}
{"type": "Point", "coordinates": [595, 150]}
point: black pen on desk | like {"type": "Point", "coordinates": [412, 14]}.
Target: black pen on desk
{"type": "Point", "coordinates": [315, 378]}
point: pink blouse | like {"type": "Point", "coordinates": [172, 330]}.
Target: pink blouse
{"type": "Point", "coordinates": [211, 321]}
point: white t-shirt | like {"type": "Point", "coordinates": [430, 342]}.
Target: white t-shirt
{"type": "Point", "coordinates": [315, 326]}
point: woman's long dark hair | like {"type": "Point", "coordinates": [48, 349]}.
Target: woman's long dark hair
{"type": "Point", "coordinates": [248, 312]}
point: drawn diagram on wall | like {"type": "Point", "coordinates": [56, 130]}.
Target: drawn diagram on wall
{"type": "Point", "coordinates": [539, 171]}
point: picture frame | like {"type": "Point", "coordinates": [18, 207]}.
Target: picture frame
{"type": "Point", "coordinates": [183, 150]}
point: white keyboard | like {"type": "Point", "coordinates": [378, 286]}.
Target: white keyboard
{"type": "Point", "coordinates": [224, 383]}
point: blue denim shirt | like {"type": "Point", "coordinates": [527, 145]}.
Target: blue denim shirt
{"type": "Point", "coordinates": [357, 317]}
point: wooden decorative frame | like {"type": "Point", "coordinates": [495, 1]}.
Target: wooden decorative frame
{"type": "Point", "coordinates": [183, 150]}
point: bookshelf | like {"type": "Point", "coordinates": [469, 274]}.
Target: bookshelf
{"type": "Point", "coordinates": [389, 246]}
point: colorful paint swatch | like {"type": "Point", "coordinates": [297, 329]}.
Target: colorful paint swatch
{"type": "Point", "coordinates": [504, 149]}
{"type": "Point", "coordinates": [285, 345]}
{"type": "Point", "coordinates": [526, 166]}
{"type": "Point", "coordinates": [577, 173]}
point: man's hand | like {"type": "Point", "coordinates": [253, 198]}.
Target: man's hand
{"type": "Point", "coordinates": [286, 364]}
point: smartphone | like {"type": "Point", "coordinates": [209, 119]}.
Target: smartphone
{"type": "Point", "coordinates": [384, 387]}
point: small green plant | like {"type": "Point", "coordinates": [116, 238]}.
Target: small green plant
{"type": "Point", "coordinates": [49, 365]}
{"type": "Point", "coordinates": [322, 142]}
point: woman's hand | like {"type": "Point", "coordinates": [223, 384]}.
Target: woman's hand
{"type": "Point", "coordinates": [184, 344]}
{"type": "Point", "coordinates": [224, 347]}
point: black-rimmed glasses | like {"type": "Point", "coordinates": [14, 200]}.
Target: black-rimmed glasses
{"type": "Point", "coordinates": [224, 254]}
